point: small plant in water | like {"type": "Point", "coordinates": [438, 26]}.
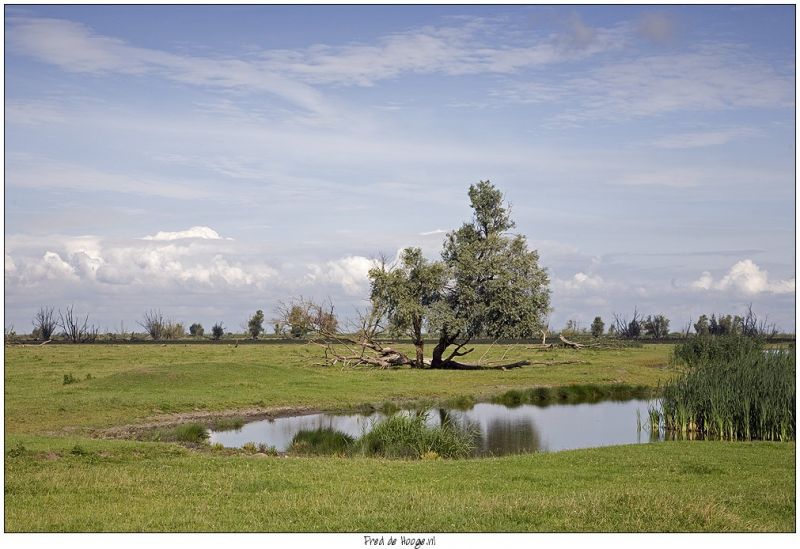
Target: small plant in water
{"type": "Point", "coordinates": [409, 436]}
{"type": "Point", "coordinates": [189, 432]}
{"type": "Point", "coordinates": [325, 441]}
{"type": "Point", "coordinates": [249, 448]}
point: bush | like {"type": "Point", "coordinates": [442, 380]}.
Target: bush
{"type": "Point", "coordinates": [191, 432]}
{"type": "Point", "coordinates": [324, 441]}
{"type": "Point", "coordinates": [70, 379]}
{"type": "Point", "coordinates": [217, 331]}
{"type": "Point", "coordinates": [196, 329]}
{"type": "Point", "coordinates": [402, 436]}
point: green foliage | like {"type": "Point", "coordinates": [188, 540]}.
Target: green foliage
{"type": "Point", "coordinates": [731, 388]}
{"type": "Point", "coordinates": [70, 379]}
{"type": "Point", "coordinates": [408, 436]}
{"type": "Point", "coordinates": [597, 326]}
{"type": "Point", "coordinates": [217, 331]}
{"type": "Point", "coordinates": [79, 450]}
{"type": "Point", "coordinates": [190, 432]}
{"type": "Point", "coordinates": [323, 441]}
{"type": "Point", "coordinates": [573, 394]}
{"type": "Point", "coordinates": [227, 423]}
{"type": "Point", "coordinates": [656, 326]}
{"type": "Point", "coordinates": [255, 326]}
{"type": "Point", "coordinates": [196, 329]}
{"type": "Point", "coordinates": [701, 327]}
{"type": "Point", "coordinates": [498, 288]}
{"type": "Point", "coordinates": [406, 292]}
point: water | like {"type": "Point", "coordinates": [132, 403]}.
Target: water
{"type": "Point", "coordinates": [503, 430]}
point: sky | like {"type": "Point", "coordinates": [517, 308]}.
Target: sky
{"type": "Point", "coordinates": [209, 161]}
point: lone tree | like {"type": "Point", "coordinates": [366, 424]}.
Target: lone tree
{"type": "Point", "coordinates": [44, 322]}
{"type": "Point", "coordinates": [656, 326]}
{"type": "Point", "coordinates": [196, 329]}
{"type": "Point", "coordinates": [255, 326]}
{"type": "Point", "coordinates": [75, 329]}
{"type": "Point", "coordinates": [154, 324]}
{"type": "Point", "coordinates": [217, 331]}
{"type": "Point", "coordinates": [598, 326]}
{"type": "Point", "coordinates": [488, 284]}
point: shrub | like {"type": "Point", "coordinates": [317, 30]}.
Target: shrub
{"type": "Point", "coordinates": [18, 450]}
{"type": "Point", "coordinates": [196, 329]}
{"type": "Point", "coordinates": [187, 432]}
{"type": "Point", "coordinates": [217, 331]}
{"type": "Point", "coordinates": [173, 330]}
{"type": "Point", "coordinates": [324, 441]}
{"type": "Point", "coordinates": [69, 379]}
{"type": "Point", "coordinates": [408, 436]}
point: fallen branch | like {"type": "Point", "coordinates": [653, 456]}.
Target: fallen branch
{"type": "Point", "coordinates": [569, 343]}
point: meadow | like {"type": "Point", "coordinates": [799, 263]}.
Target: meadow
{"type": "Point", "coordinates": [69, 466]}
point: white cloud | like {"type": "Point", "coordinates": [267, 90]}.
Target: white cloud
{"type": "Point", "coordinates": [579, 282]}
{"type": "Point", "coordinates": [692, 140]}
{"type": "Point", "coordinates": [712, 77]}
{"type": "Point", "coordinates": [206, 233]}
{"type": "Point", "coordinates": [74, 47]}
{"type": "Point", "coordinates": [747, 278]}
{"type": "Point", "coordinates": [138, 263]}
{"type": "Point", "coordinates": [348, 272]}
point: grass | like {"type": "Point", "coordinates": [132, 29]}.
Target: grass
{"type": "Point", "coordinates": [321, 442]}
{"type": "Point", "coordinates": [59, 478]}
{"type": "Point", "coordinates": [133, 383]}
{"type": "Point", "coordinates": [731, 389]}
{"type": "Point", "coordinates": [408, 436]}
{"type": "Point", "coordinates": [137, 486]}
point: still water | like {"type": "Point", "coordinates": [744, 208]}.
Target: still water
{"type": "Point", "coordinates": [503, 430]}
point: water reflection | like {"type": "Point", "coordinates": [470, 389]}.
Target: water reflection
{"type": "Point", "coordinates": [502, 430]}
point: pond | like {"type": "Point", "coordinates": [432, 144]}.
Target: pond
{"type": "Point", "coordinates": [503, 430]}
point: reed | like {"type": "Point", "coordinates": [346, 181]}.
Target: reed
{"type": "Point", "coordinates": [730, 388]}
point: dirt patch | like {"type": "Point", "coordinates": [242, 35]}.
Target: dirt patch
{"type": "Point", "coordinates": [133, 431]}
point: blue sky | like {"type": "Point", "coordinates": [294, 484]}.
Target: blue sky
{"type": "Point", "coordinates": [209, 161]}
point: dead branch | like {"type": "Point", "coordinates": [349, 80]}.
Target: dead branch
{"type": "Point", "coordinates": [569, 343]}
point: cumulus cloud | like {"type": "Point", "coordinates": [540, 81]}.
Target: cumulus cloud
{"type": "Point", "coordinates": [164, 260]}
{"type": "Point", "coordinates": [348, 272]}
{"type": "Point", "coordinates": [744, 277]}
{"type": "Point", "coordinates": [579, 282]}
{"type": "Point", "coordinates": [206, 233]}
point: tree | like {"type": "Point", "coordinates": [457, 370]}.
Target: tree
{"type": "Point", "coordinates": [217, 331]}
{"type": "Point", "coordinates": [656, 326]}
{"type": "Point", "coordinates": [44, 321]}
{"type": "Point", "coordinates": [406, 292]}
{"type": "Point", "coordinates": [255, 326]}
{"type": "Point", "coordinates": [598, 326]}
{"type": "Point", "coordinates": [196, 329]}
{"type": "Point", "coordinates": [75, 329]}
{"type": "Point", "coordinates": [153, 323]}
{"type": "Point", "coordinates": [701, 326]}
{"type": "Point", "coordinates": [628, 330]}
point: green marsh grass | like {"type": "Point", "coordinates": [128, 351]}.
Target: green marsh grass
{"type": "Point", "coordinates": [731, 388]}
{"type": "Point", "coordinates": [408, 436]}
{"type": "Point", "coordinates": [324, 441]}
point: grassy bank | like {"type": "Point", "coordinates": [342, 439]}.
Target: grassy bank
{"type": "Point", "coordinates": [130, 486]}
{"type": "Point", "coordinates": [130, 383]}
{"type": "Point", "coordinates": [57, 478]}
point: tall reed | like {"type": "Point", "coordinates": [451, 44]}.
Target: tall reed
{"type": "Point", "coordinates": [730, 388]}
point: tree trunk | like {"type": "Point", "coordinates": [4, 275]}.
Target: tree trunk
{"type": "Point", "coordinates": [420, 361]}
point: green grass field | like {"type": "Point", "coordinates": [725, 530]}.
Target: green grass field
{"type": "Point", "coordinates": [58, 477]}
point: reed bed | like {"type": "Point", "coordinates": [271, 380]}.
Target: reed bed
{"type": "Point", "coordinates": [730, 388]}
